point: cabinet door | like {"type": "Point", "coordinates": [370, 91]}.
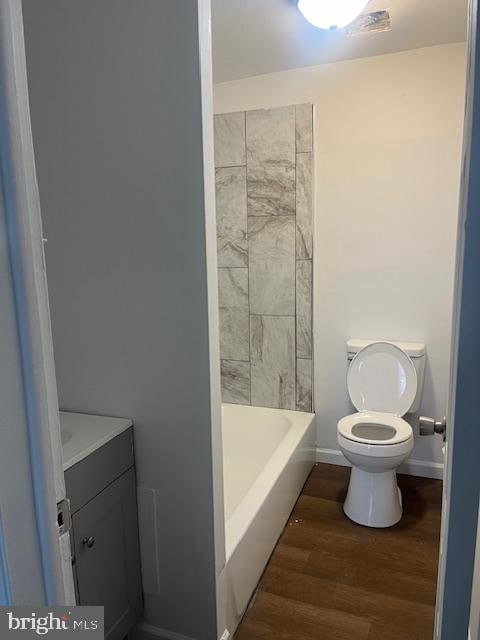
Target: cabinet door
{"type": "Point", "coordinates": [107, 555]}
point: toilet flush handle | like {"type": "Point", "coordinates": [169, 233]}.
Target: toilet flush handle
{"type": "Point", "coordinates": [429, 426]}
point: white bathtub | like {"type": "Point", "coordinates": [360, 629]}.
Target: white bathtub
{"type": "Point", "coordinates": [267, 456]}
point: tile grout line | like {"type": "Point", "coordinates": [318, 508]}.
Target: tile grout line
{"type": "Point", "coordinates": [248, 261]}
{"type": "Point", "coordinates": [220, 268]}
{"type": "Point", "coordinates": [231, 166]}
{"type": "Point", "coordinates": [273, 216]}
{"type": "Point", "coordinates": [312, 174]}
{"type": "Point", "coordinates": [295, 380]}
{"type": "Point", "coordinates": [273, 315]}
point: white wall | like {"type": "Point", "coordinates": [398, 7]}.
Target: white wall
{"type": "Point", "coordinates": [388, 133]}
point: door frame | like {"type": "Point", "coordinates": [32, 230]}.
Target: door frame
{"type": "Point", "coordinates": [37, 427]}
{"type": "Point", "coordinates": [461, 478]}
{"type": "Point", "coordinates": [35, 563]}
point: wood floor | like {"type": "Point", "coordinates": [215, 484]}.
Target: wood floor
{"type": "Point", "coordinates": [331, 579]}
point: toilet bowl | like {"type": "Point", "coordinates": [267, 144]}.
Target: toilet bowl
{"type": "Point", "coordinates": [383, 386]}
{"type": "Point", "coordinates": [375, 444]}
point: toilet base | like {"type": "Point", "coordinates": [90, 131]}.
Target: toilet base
{"type": "Point", "coordinates": [373, 499]}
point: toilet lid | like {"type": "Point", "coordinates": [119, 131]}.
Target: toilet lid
{"type": "Point", "coordinates": [381, 377]}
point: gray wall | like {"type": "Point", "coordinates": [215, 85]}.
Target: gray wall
{"type": "Point", "coordinates": [115, 98]}
{"type": "Point", "coordinates": [263, 181]}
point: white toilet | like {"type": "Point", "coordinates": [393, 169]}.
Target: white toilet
{"type": "Point", "coordinates": [385, 381]}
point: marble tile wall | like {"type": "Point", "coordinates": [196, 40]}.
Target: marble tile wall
{"type": "Point", "coordinates": [264, 195]}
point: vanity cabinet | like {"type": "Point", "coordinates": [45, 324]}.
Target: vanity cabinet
{"type": "Point", "coordinates": [102, 493]}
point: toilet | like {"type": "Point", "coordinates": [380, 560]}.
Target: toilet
{"type": "Point", "coordinates": [385, 382]}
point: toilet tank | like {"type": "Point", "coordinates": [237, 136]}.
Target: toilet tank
{"type": "Point", "coordinates": [416, 352]}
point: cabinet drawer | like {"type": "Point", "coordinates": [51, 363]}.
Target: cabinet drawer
{"type": "Point", "coordinates": [91, 475]}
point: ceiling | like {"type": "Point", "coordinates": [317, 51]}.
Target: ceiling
{"type": "Point", "coordinates": [253, 37]}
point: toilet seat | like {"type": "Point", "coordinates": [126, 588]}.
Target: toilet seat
{"type": "Point", "coordinates": [382, 384]}
{"type": "Point", "coordinates": [382, 379]}
{"type": "Point", "coordinates": [375, 428]}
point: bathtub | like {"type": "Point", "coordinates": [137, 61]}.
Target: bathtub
{"type": "Point", "coordinates": [267, 456]}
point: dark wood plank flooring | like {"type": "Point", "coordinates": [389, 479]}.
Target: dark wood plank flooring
{"type": "Point", "coordinates": [331, 579]}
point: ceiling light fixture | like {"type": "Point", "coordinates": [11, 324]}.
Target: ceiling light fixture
{"type": "Point", "coordinates": [331, 14]}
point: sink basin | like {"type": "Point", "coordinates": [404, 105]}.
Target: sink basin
{"type": "Point", "coordinates": [83, 434]}
{"type": "Point", "coordinates": [66, 434]}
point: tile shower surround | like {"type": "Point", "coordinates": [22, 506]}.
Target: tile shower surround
{"type": "Point", "coordinates": [263, 176]}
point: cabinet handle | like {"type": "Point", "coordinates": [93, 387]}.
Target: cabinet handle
{"type": "Point", "coordinates": [89, 542]}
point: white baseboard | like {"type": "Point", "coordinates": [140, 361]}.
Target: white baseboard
{"type": "Point", "coordinates": [331, 456]}
{"type": "Point", "coordinates": [145, 631]}
{"type": "Point", "coordinates": [423, 469]}
{"type": "Point", "coordinates": [420, 468]}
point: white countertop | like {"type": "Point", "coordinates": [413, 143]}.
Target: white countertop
{"type": "Point", "coordinates": [83, 434]}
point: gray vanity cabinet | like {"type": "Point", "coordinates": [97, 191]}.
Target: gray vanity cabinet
{"type": "Point", "coordinates": [105, 534]}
